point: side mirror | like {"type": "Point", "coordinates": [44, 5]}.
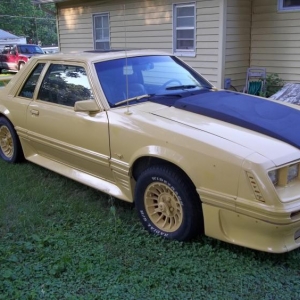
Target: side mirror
{"type": "Point", "coordinates": [86, 106]}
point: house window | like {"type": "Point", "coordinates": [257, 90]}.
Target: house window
{"type": "Point", "coordinates": [184, 29]}
{"type": "Point", "coordinates": [284, 5]}
{"type": "Point", "coordinates": [101, 31]}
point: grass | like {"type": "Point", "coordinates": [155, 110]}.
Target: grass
{"type": "Point", "coordinates": [62, 240]}
{"type": "Point", "coordinates": [3, 80]}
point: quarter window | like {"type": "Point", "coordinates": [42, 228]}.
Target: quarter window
{"type": "Point", "coordinates": [30, 84]}
{"type": "Point", "coordinates": [65, 85]}
{"type": "Point", "coordinates": [285, 5]}
{"type": "Point", "coordinates": [101, 31]}
{"type": "Point", "coordinates": [184, 19]}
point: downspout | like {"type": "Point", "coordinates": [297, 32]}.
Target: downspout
{"type": "Point", "coordinates": [222, 43]}
{"type": "Point", "coordinates": [251, 28]}
{"type": "Point", "coordinates": [57, 28]}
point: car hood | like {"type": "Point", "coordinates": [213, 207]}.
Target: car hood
{"type": "Point", "coordinates": [266, 127]}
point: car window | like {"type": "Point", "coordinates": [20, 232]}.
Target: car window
{"type": "Point", "coordinates": [65, 85]}
{"type": "Point", "coordinates": [6, 50]}
{"type": "Point", "coordinates": [30, 84]}
{"type": "Point", "coordinates": [30, 49]}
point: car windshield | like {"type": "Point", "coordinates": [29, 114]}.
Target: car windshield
{"type": "Point", "coordinates": [30, 49]}
{"type": "Point", "coordinates": [132, 77]}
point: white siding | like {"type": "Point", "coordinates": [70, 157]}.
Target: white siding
{"type": "Point", "coordinates": [146, 25]}
{"type": "Point", "coordinates": [208, 39]}
{"type": "Point", "coordinates": [238, 41]}
{"type": "Point", "coordinates": [276, 40]}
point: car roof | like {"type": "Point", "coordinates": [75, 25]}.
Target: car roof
{"type": "Point", "coordinates": [94, 56]}
{"type": "Point", "coordinates": [13, 45]}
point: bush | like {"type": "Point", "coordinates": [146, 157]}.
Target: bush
{"type": "Point", "coordinates": [273, 84]}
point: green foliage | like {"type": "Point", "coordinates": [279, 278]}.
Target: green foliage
{"type": "Point", "coordinates": [63, 240]}
{"type": "Point", "coordinates": [22, 18]}
{"type": "Point", "coordinates": [3, 80]}
{"type": "Point", "coordinates": [273, 84]}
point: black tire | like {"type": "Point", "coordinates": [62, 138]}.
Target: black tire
{"type": "Point", "coordinates": [168, 204]}
{"type": "Point", "coordinates": [10, 146]}
{"type": "Point", "coordinates": [21, 65]}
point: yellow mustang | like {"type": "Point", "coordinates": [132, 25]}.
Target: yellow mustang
{"type": "Point", "coordinates": [146, 128]}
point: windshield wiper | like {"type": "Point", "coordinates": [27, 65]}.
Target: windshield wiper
{"type": "Point", "coordinates": [146, 96]}
{"type": "Point", "coordinates": [137, 98]}
{"type": "Point", "coordinates": [182, 87]}
{"type": "Point", "coordinates": [189, 86]}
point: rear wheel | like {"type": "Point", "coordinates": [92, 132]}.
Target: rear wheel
{"type": "Point", "coordinates": [10, 147]}
{"type": "Point", "coordinates": [168, 204]}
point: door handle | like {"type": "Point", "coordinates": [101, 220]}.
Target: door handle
{"type": "Point", "coordinates": [34, 112]}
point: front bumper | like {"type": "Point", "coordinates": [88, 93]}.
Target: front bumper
{"type": "Point", "coordinates": [250, 232]}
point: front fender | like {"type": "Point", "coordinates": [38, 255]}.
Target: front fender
{"type": "Point", "coordinates": [212, 163]}
{"type": "Point", "coordinates": [212, 176]}
{"type": "Point", "coordinates": [5, 112]}
{"type": "Point", "coordinates": [159, 152]}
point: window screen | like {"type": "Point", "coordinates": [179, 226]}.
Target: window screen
{"type": "Point", "coordinates": [289, 4]}
{"type": "Point", "coordinates": [184, 28]}
{"type": "Point", "coordinates": [101, 31]}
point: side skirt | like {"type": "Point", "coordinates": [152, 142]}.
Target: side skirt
{"type": "Point", "coordinates": [79, 176]}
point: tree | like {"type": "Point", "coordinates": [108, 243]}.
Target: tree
{"type": "Point", "coordinates": [22, 18]}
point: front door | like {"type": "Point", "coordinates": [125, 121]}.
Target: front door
{"type": "Point", "coordinates": [77, 139]}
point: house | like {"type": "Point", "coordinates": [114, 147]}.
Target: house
{"type": "Point", "coordinates": [219, 38]}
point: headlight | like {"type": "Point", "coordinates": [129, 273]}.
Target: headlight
{"type": "Point", "coordinates": [274, 176]}
{"type": "Point", "coordinates": [293, 172]}
{"type": "Point", "coordinates": [284, 175]}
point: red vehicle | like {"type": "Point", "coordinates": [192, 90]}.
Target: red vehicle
{"type": "Point", "coordinates": [13, 57]}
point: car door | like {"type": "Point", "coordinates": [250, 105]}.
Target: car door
{"type": "Point", "coordinates": [77, 139]}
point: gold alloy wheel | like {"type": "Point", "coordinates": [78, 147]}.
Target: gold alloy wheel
{"type": "Point", "coordinates": [163, 207]}
{"type": "Point", "coordinates": [6, 142]}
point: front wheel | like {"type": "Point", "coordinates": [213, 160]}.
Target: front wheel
{"type": "Point", "coordinates": [10, 147]}
{"type": "Point", "coordinates": [168, 204]}
{"type": "Point", "coordinates": [21, 65]}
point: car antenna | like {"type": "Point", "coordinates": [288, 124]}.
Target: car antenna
{"type": "Point", "coordinates": [126, 65]}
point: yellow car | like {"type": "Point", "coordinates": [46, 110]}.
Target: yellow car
{"type": "Point", "coordinates": [146, 128]}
